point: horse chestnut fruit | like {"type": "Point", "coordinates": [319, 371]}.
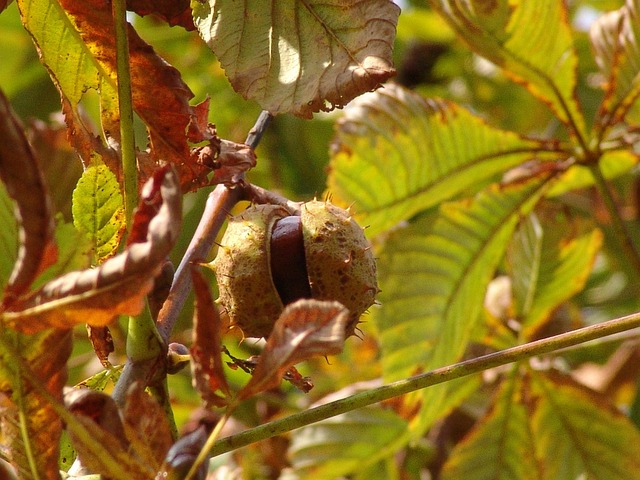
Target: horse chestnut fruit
{"type": "Point", "coordinates": [269, 258]}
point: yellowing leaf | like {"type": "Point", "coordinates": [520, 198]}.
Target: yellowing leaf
{"type": "Point", "coordinates": [578, 433]}
{"type": "Point", "coordinates": [119, 285]}
{"type": "Point", "coordinates": [396, 154]}
{"type": "Point", "coordinates": [96, 414]}
{"type": "Point", "coordinates": [543, 426]}
{"type": "Point", "coordinates": [615, 38]}
{"type": "Point", "coordinates": [146, 427]}
{"type": "Point", "coordinates": [434, 275]}
{"type": "Point", "coordinates": [549, 262]}
{"type": "Point", "coordinates": [612, 164]}
{"type": "Point", "coordinates": [300, 57]}
{"type": "Point", "coordinates": [304, 329]}
{"type": "Point", "coordinates": [531, 41]}
{"type": "Point", "coordinates": [98, 210]}
{"type": "Point", "coordinates": [76, 42]}
{"type": "Point", "coordinates": [23, 408]}
{"type": "Point", "coordinates": [500, 446]}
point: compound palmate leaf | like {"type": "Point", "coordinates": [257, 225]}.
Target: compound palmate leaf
{"type": "Point", "coordinates": [531, 41]}
{"type": "Point", "coordinates": [297, 56]}
{"type": "Point", "coordinates": [450, 258]}
{"type": "Point", "coordinates": [396, 153]}
{"type": "Point", "coordinates": [544, 426]}
{"type": "Point", "coordinates": [578, 433]}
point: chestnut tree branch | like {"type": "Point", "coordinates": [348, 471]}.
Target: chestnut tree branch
{"type": "Point", "coordinates": [418, 382]}
{"type": "Point", "coordinates": [220, 201]}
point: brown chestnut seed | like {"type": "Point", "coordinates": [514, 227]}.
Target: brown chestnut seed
{"type": "Point", "coordinates": [288, 264]}
{"type": "Point", "coordinates": [261, 264]}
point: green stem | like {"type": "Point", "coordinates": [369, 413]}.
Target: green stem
{"type": "Point", "coordinates": [434, 377]}
{"type": "Point", "coordinates": [145, 351]}
{"type": "Point", "coordinates": [623, 235]}
{"type": "Point", "coordinates": [127, 140]}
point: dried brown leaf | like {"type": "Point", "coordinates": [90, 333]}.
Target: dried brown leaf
{"type": "Point", "coordinates": [146, 426]}
{"type": "Point", "coordinates": [305, 329]}
{"type": "Point", "coordinates": [206, 351]}
{"type": "Point", "coordinates": [62, 168]}
{"type": "Point", "coordinates": [118, 286]}
{"type": "Point", "coordinates": [21, 174]}
{"type": "Point", "coordinates": [102, 343]}
{"type": "Point", "coordinates": [174, 12]}
{"type": "Point", "coordinates": [160, 97]}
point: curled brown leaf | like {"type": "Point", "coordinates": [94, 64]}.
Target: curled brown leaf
{"type": "Point", "coordinates": [305, 329]}
{"type": "Point", "coordinates": [174, 12]}
{"type": "Point", "coordinates": [118, 286]}
{"type": "Point", "coordinates": [20, 172]}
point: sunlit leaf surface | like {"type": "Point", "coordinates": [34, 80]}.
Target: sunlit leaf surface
{"type": "Point", "coordinates": [98, 210]}
{"type": "Point", "coordinates": [549, 263]}
{"type": "Point", "coordinates": [531, 41]}
{"type": "Point", "coordinates": [501, 445]}
{"type": "Point", "coordinates": [300, 57]}
{"type": "Point", "coordinates": [396, 154]}
{"type": "Point", "coordinates": [433, 279]}
{"type": "Point", "coordinates": [615, 38]}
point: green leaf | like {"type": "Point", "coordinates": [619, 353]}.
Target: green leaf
{"type": "Point", "coordinates": [434, 275]}
{"type": "Point", "coordinates": [579, 434]}
{"type": "Point", "coordinates": [614, 37]}
{"type": "Point", "coordinates": [450, 258]}
{"type": "Point", "coordinates": [300, 57]}
{"type": "Point", "coordinates": [98, 210]}
{"type": "Point", "coordinates": [500, 446]}
{"type": "Point", "coordinates": [506, 31]}
{"type": "Point", "coordinates": [549, 263]}
{"type": "Point", "coordinates": [343, 444]}
{"type": "Point", "coordinates": [396, 154]}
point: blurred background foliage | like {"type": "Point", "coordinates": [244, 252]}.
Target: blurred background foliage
{"type": "Point", "coordinates": [293, 159]}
